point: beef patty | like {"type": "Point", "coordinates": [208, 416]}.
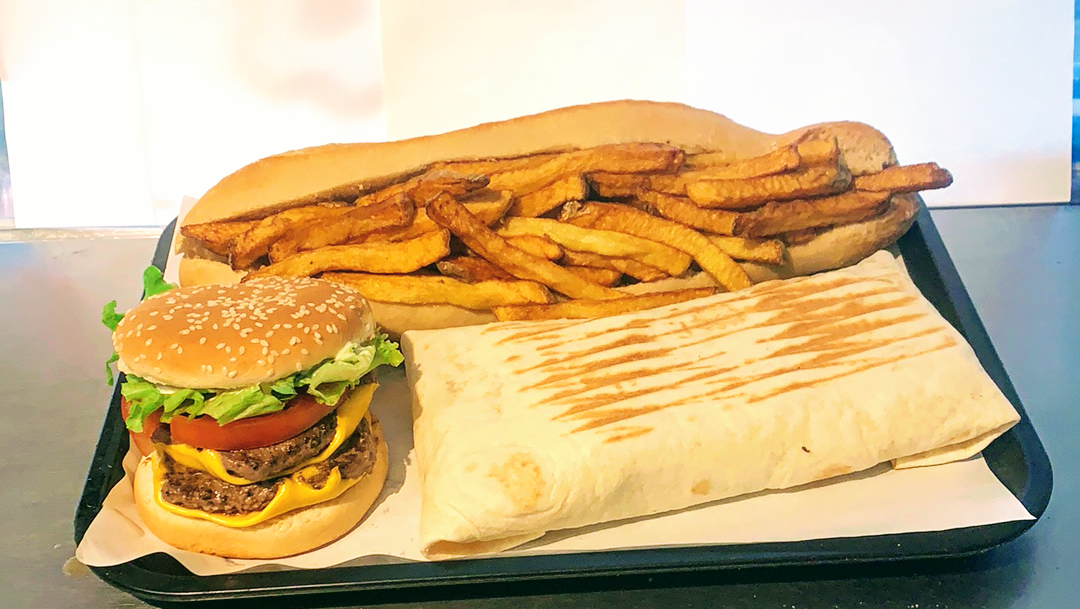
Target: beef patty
{"type": "Point", "coordinates": [191, 488]}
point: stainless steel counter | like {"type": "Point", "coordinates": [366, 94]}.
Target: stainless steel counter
{"type": "Point", "coordinates": [1021, 266]}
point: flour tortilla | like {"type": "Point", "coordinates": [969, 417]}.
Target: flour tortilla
{"type": "Point", "coordinates": [527, 427]}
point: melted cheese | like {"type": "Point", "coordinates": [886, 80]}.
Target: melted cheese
{"type": "Point", "coordinates": [349, 414]}
{"type": "Point", "coordinates": [293, 494]}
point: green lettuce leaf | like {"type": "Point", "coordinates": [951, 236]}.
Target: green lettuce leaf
{"type": "Point", "coordinates": [153, 284]}
{"type": "Point", "coordinates": [327, 382]}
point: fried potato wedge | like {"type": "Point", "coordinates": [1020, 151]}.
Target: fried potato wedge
{"type": "Point", "coordinates": [818, 150]}
{"type": "Point", "coordinates": [569, 188]}
{"type": "Point", "coordinates": [625, 219]}
{"type": "Point", "coordinates": [217, 237]}
{"type": "Point", "coordinates": [255, 243]}
{"type": "Point", "coordinates": [617, 185]}
{"type": "Point", "coordinates": [627, 266]}
{"type": "Point", "coordinates": [604, 277]}
{"type": "Point", "coordinates": [588, 309]}
{"type": "Point", "coordinates": [609, 243]}
{"type": "Point", "coordinates": [752, 192]}
{"type": "Point", "coordinates": [427, 185]}
{"type": "Point", "coordinates": [786, 216]}
{"type": "Point", "coordinates": [488, 206]}
{"type": "Point", "coordinates": [393, 212]}
{"type": "Point", "coordinates": [684, 211]}
{"type": "Point", "coordinates": [771, 163]}
{"type": "Point", "coordinates": [376, 257]}
{"type": "Point", "coordinates": [479, 238]}
{"type": "Point", "coordinates": [613, 158]}
{"type": "Point", "coordinates": [768, 251]}
{"type": "Point", "coordinates": [905, 178]}
{"type": "Point", "coordinates": [436, 289]}
{"type": "Point", "coordinates": [537, 245]}
{"type": "Point", "coordinates": [471, 269]}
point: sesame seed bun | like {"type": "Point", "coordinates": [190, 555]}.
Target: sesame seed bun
{"type": "Point", "coordinates": [229, 336]}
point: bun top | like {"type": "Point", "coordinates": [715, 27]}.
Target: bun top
{"type": "Point", "coordinates": [229, 336]}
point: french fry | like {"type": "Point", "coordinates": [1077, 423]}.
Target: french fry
{"type": "Point", "coordinates": [393, 212]}
{"type": "Point", "coordinates": [771, 163]}
{"type": "Point", "coordinates": [435, 289]}
{"type": "Point", "coordinates": [905, 178]}
{"type": "Point", "coordinates": [377, 257]}
{"type": "Point", "coordinates": [604, 277]}
{"type": "Point", "coordinates": [818, 151]}
{"type": "Point", "coordinates": [570, 188]}
{"type": "Point", "coordinates": [217, 237]}
{"type": "Point", "coordinates": [488, 206]}
{"type": "Point", "coordinates": [255, 243]}
{"type": "Point", "coordinates": [709, 159]}
{"type": "Point", "coordinates": [427, 185]}
{"type": "Point", "coordinates": [588, 309]}
{"type": "Point", "coordinates": [492, 247]}
{"type": "Point", "coordinates": [799, 237]}
{"type": "Point", "coordinates": [499, 165]}
{"type": "Point", "coordinates": [613, 158]}
{"type": "Point", "coordinates": [625, 219]}
{"type": "Point", "coordinates": [684, 211]}
{"type": "Point", "coordinates": [638, 270]}
{"type": "Point", "coordinates": [752, 192]}
{"type": "Point", "coordinates": [617, 185]}
{"type": "Point", "coordinates": [768, 251]}
{"type": "Point", "coordinates": [537, 245]}
{"type": "Point", "coordinates": [471, 269]}
{"type": "Point", "coordinates": [609, 243]}
{"type": "Point", "coordinates": [787, 216]}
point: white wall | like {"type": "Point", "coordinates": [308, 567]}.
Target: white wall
{"type": "Point", "coordinates": [115, 109]}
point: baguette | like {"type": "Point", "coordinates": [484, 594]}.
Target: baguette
{"type": "Point", "coordinates": [343, 172]}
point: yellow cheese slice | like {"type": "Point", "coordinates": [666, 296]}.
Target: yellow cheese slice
{"type": "Point", "coordinates": [293, 494]}
{"type": "Point", "coordinates": [349, 414]}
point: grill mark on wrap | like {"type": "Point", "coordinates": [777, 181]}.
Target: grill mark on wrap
{"type": "Point", "coordinates": [831, 324]}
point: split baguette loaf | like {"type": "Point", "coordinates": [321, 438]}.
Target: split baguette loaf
{"type": "Point", "coordinates": [343, 171]}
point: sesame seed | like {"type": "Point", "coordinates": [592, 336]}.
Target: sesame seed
{"type": "Point", "coordinates": [232, 373]}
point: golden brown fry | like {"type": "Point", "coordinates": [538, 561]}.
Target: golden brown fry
{"type": "Point", "coordinates": [751, 192]}
{"type": "Point", "coordinates": [905, 178]}
{"type": "Point", "coordinates": [608, 243]}
{"type": "Point", "coordinates": [787, 216]}
{"type": "Point", "coordinates": [709, 159]}
{"type": "Point", "coordinates": [537, 245]}
{"type": "Point", "coordinates": [617, 185]}
{"type": "Point", "coordinates": [255, 243]}
{"type": "Point", "coordinates": [819, 151]}
{"type": "Point", "coordinates": [489, 206]}
{"type": "Point", "coordinates": [427, 185]}
{"type": "Point", "coordinates": [396, 211]}
{"type": "Point", "coordinates": [499, 165]}
{"type": "Point", "coordinates": [435, 289]}
{"type": "Point", "coordinates": [625, 219]}
{"type": "Point", "coordinates": [684, 211]}
{"type": "Point", "coordinates": [799, 237]}
{"type": "Point", "coordinates": [605, 277]}
{"type": "Point", "coordinates": [613, 158]}
{"type": "Point", "coordinates": [471, 269]}
{"type": "Point", "coordinates": [482, 240]}
{"type": "Point", "coordinates": [570, 188]}
{"type": "Point", "coordinates": [588, 309]}
{"type": "Point", "coordinates": [771, 163]}
{"type": "Point", "coordinates": [769, 251]}
{"type": "Point", "coordinates": [627, 266]}
{"type": "Point", "coordinates": [217, 237]}
{"type": "Point", "coordinates": [377, 257]}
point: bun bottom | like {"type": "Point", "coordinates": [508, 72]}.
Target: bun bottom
{"type": "Point", "coordinates": [285, 535]}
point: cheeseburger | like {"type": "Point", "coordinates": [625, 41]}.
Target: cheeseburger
{"type": "Point", "coordinates": [250, 404]}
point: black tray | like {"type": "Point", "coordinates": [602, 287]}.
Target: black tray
{"type": "Point", "coordinates": [1017, 458]}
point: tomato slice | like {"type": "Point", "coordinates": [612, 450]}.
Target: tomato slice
{"type": "Point", "coordinates": [142, 438]}
{"type": "Point", "coordinates": [298, 415]}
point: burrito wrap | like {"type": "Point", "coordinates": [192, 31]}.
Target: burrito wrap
{"type": "Point", "coordinates": [527, 427]}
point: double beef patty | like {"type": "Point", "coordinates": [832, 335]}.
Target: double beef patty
{"type": "Point", "coordinates": [191, 488]}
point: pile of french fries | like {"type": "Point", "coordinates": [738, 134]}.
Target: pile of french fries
{"type": "Point", "coordinates": [553, 235]}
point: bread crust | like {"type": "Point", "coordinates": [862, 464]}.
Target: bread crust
{"type": "Point", "coordinates": [313, 174]}
{"type": "Point", "coordinates": [285, 535]}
